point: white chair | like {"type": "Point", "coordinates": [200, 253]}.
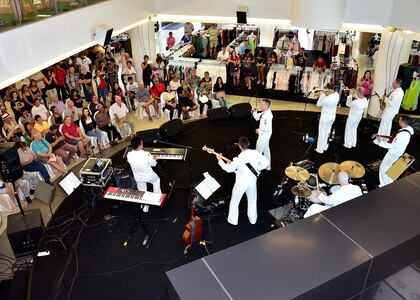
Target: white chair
{"type": "Point", "coordinates": [49, 120]}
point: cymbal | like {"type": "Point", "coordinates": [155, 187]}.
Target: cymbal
{"type": "Point", "coordinates": [328, 172]}
{"type": "Point", "coordinates": [297, 173]}
{"type": "Point", "coordinates": [301, 191]}
{"type": "Point", "coordinates": [353, 168]}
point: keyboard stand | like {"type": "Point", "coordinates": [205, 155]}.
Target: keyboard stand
{"type": "Point", "coordinates": [149, 236]}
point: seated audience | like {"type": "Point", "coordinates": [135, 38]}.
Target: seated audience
{"type": "Point", "coordinates": [30, 163]}
{"type": "Point", "coordinates": [170, 102]}
{"type": "Point", "coordinates": [72, 111]}
{"type": "Point", "coordinates": [40, 109]}
{"type": "Point", "coordinates": [103, 121]}
{"type": "Point", "coordinates": [73, 135]}
{"type": "Point", "coordinates": [59, 146]}
{"type": "Point", "coordinates": [41, 125]}
{"type": "Point", "coordinates": [44, 153]}
{"type": "Point", "coordinates": [90, 127]}
{"type": "Point", "coordinates": [120, 117]}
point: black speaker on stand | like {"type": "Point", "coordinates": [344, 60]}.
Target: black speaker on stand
{"type": "Point", "coordinates": [241, 17]}
{"type": "Point", "coordinates": [10, 167]}
{"type": "Point", "coordinates": [405, 73]}
{"type": "Point", "coordinates": [171, 129]}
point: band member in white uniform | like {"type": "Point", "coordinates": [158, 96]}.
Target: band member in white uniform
{"type": "Point", "coordinates": [393, 103]}
{"type": "Point", "coordinates": [357, 106]}
{"type": "Point", "coordinates": [329, 108]}
{"type": "Point", "coordinates": [395, 149]}
{"type": "Point", "coordinates": [345, 193]}
{"type": "Point", "coordinates": [141, 163]}
{"type": "Point", "coordinates": [246, 180]}
{"type": "Point", "coordinates": [265, 129]}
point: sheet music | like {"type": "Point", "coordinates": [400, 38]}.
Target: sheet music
{"type": "Point", "coordinates": [151, 197]}
{"type": "Point", "coordinates": [70, 183]}
{"type": "Point", "coordinates": [208, 186]}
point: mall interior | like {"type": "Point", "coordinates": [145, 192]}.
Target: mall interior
{"type": "Point", "coordinates": [77, 225]}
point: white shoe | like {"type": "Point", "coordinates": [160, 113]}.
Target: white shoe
{"type": "Point", "coordinates": [258, 82]}
{"type": "Point", "coordinates": [158, 116]}
{"type": "Point", "coordinates": [145, 208]}
{"type": "Point", "coordinates": [263, 83]}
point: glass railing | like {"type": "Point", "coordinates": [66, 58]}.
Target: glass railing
{"type": "Point", "coordinates": [19, 12]}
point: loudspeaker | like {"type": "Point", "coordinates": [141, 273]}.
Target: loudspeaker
{"type": "Point", "coordinates": [171, 129]}
{"type": "Point", "coordinates": [24, 233]}
{"type": "Point", "coordinates": [405, 73]}
{"type": "Point", "coordinates": [240, 110]}
{"type": "Point", "coordinates": [125, 180]}
{"type": "Point", "coordinates": [218, 114]}
{"type": "Point", "coordinates": [103, 34]}
{"type": "Point", "coordinates": [148, 136]}
{"type": "Point", "coordinates": [241, 17]}
{"type": "Point", "coordinates": [10, 168]}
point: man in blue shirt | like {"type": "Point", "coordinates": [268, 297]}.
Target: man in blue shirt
{"type": "Point", "coordinates": [43, 151]}
{"type": "Point", "coordinates": [186, 38]}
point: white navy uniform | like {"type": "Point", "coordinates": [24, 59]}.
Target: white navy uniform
{"type": "Point", "coordinates": [265, 131]}
{"type": "Point", "coordinates": [357, 107]}
{"type": "Point", "coordinates": [328, 112]}
{"type": "Point", "coordinates": [345, 193]}
{"type": "Point", "coordinates": [246, 182]}
{"type": "Point", "coordinates": [396, 149]}
{"type": "Point", "coordinates": [393, 103]}
{"type": "Point", "coordinates": [141, 163]}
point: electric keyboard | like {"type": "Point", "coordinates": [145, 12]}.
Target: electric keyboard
{"type": "Point", "coordinates": [168, 153]}
{"type": "Point", "coordinates": [136, 196]}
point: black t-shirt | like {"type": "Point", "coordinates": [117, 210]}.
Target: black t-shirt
{"type": "Point", "coordinates": [300, 60]}
{"type": "Point", "coordinates": [182, 93]}
{"type": "Point", "coordinates": [88, 75]}
{"type": "Point", "coordinates": [51, 139]}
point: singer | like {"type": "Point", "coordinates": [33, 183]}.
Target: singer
{"type": "Point", "coordinates": [357, 106]}
{"type": "Point", "coordinates": [247, 166]}
{"type": "Point", "coordinates": [141, 163]}
{"type": "Point", "coordinates": [265, 129]}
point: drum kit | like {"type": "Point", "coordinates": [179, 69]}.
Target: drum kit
{"type": "Point", "coordinates": [308, 184]}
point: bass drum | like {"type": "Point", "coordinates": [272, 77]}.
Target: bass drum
{"type": "Point", "coordinates": [374, 109]}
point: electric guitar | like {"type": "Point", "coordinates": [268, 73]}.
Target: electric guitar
{"type": "Point", "coordinates": [211, 151]}
{"type": "Point", "coordinates": [389, 137]}
{"type": "Point", "coordinates": [382, 103]}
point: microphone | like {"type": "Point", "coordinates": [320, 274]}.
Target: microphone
{"type": "Point", "coordinates": [155, 141]}
{"type": "Point", "coordinates": [308, 139]}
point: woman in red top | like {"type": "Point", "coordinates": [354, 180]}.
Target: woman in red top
{"type": "Point", "coordinates": [60, 77]}
{"type": "Point", "coordinates": [366, 82]}
{"type": "Point", "coordinates": [73, 135]}
{"type": "Point", "coordinates": [100, 85]}
{"type": "Point", "coordinates": [235, 68]}
{"type": "Point", "coordinates": [170, 41]}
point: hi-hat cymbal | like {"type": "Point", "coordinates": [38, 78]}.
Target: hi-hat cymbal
{"type": "Point", "coordinates": [328, 172]}
{"type": "Point", "coordinates": [301, 191]}
{"type": "Point", "coordinates": [353, 168]}
{"type": "Point", "coordinates": [297, 173]}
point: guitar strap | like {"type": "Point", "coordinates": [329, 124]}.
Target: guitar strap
{"type": "Point", "coordinates": [252, 169]}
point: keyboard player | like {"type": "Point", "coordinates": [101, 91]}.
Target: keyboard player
{"type": "Point", "coordinates": [141, 163]}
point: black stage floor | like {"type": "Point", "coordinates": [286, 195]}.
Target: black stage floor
{"type": "Point", "coordinates": [98, 266]}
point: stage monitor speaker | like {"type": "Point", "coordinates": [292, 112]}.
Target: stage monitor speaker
{"type": "Point", "coordinates": [125, 180]}
{"type": "Point", "coordinates": [218, 114]}
{"type": "Point", "coordinates": [24, 233]}
{"type": "Point", "coordinates": [241, 17]}
{"type": "Point", "coordinates": [171, 129]}
{"type": "Point", "coordinates": [405, 73]}
{"type": "Point", "coordinates": [10, 167]}
{"type": "Point", "coordinates": [103, 34]}
{"type": "Point", "coordinates": [240, 110]}
{"type": "Point", "coordinates": [148, 136]}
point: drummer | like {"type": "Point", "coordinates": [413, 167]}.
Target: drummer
{"type": "Point", "coordinates": [345, 193]}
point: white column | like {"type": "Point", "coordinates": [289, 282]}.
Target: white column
{"type": "Point", "coordinates": [394, 50]}
{"type": "Point", "coordinates": [143, 42]}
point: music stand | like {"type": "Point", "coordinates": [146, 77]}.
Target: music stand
{"type": "Point", "coordinates": [69, 184]}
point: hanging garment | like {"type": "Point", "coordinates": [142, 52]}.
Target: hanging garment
{"type": "Point", "coordinates": [411, 96]}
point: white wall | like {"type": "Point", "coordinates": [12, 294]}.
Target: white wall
{"type": "Point", "coordinates": [377, 12]}
{"type": "Point", "coordinates": [406, 15]}
{"type": "Point", "coordinates": [29, 48]}
{"type": "Point", "coordinates": [267, 9]}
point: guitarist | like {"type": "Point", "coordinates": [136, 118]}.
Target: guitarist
{"type": "Point", "coordinates": [395, 149]}
{"type": "Point", "coordinates": [393, 103]}
{"type": "Point", "coordinates": [247, 166]}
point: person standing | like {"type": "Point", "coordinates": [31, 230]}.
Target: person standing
{"type": "Point", "coordinates": [265, 129]}
{"type": "Point", "coordinates": [366, 82]}
{"type": "Point", "coordinates": [345, 193]}
{"type": "Point", "coordinates": [247, 166]}
{"type": "Point", "coordinates": [141, 163]}
{"type": "Point", "coordinates": [329, 108]}
{"type": "Point", "coordinates": [393, 103]}
{"type": "Point", "coordinates": [213, 32]}
{"type": "Point", "coordinates": [170, 41]}
{"type": "Point", "coordinates": [357, 106]}
{"type": "Point", "coordinates": [395, 149]}
{"type": "Point", "coordinates": [147, 71]}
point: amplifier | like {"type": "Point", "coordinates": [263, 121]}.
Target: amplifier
{"type": "Point", "coordinates": [24, 233]}
{"type": "Point", "coordinates": [96, 172]}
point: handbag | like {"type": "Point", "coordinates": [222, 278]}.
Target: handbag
{"type": "Point", "coordinates": [203, 98]}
